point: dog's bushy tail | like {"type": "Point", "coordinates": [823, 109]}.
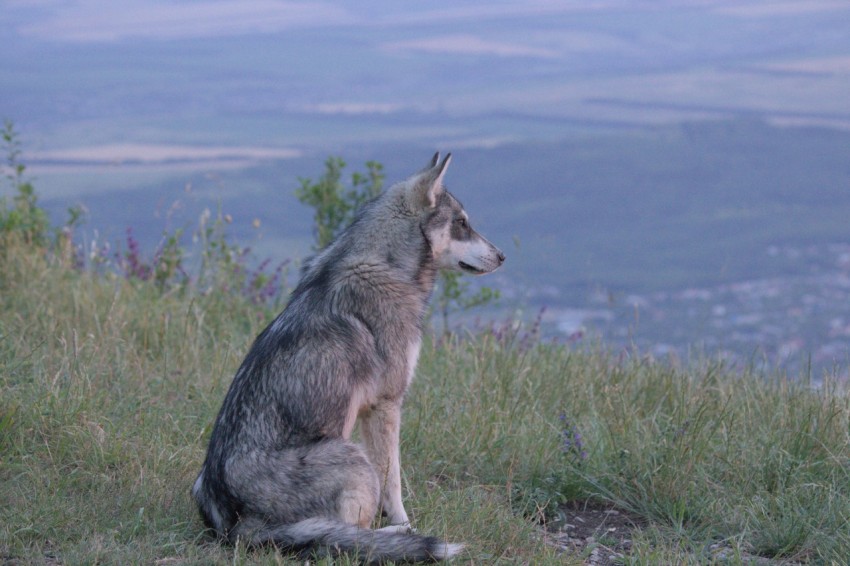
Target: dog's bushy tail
{"type": "Point", "coordinates": [326, 536]}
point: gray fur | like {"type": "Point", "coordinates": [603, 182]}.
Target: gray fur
{"type": "Point", "coordinates": [280, 467]}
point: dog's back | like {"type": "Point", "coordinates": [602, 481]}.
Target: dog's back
{"type": "Point", "coordinates": [280, 466]}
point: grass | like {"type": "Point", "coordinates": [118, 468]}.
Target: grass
{"type": "Point", "coordinates": [109, 388]}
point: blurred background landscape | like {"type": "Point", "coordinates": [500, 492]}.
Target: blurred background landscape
{"type": "Point", "coordinates": [673, 175]}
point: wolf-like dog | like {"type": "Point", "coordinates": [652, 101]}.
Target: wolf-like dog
{"type": "Point", "coordinates": [281, 467]}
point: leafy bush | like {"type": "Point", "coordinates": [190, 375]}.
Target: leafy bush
{"type": "Point", "coordinates": [22, 219]}
{"type": "Point", "coordinates": [334, 205]}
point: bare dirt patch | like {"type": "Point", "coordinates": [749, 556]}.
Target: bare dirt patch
{"type": "Point", "coordinates": [600, 533]}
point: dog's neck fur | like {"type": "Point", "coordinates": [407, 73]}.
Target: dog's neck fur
{"type": "Point", "coordinates": [382, 250]}
{"type": "Point", "coordinates": [377, 270]}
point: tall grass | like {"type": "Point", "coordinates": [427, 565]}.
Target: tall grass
{"type": "Point", "coordinates": [109, 384]}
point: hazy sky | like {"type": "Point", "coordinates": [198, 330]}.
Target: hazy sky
{"type": "Point", "coordinates": [76, 69]}
{"type": "Point", "coordinates": [107, 20]}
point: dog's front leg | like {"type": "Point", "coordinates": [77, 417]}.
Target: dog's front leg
{"type": "Point", "coordinates": [381, 436]}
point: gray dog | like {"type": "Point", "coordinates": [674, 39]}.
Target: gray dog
{"type": "Point", "coordinates": [281, 467]}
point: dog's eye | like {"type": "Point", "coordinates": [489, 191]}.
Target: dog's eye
{"type": "Point", "coordinates": [462, 223]}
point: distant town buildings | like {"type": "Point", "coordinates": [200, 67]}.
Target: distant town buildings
{"type": "Point", "coordinates": [799, 324]}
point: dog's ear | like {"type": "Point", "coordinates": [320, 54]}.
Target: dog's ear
{"type": "Point", "coordinates": [430, 184]}
{"type": "Point", "coordinates": [434, 161]}
{"type": "Point", "coordinates": [431, 164]}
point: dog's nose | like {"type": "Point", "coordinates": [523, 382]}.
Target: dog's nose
{"type": "Point", "coordinates": [501, 257]}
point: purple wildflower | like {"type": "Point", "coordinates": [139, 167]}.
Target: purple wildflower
{"type": "Point", "coordinates": [264, 288]}
{"type": "Point", "coordinates": [133, 264]}
{"type": "Point", "coordinates": [572, 443]}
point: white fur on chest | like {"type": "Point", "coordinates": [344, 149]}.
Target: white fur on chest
{"type": "Point", "coordinates": [413, 358]}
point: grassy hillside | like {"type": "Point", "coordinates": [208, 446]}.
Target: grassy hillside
{"type": "Point", "coordinates": [110, 381]}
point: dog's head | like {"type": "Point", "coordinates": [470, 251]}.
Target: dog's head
{"type": "Point", "coordinates": [454, 244]}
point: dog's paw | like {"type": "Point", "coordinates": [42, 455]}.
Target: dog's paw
{"type": "Point", "coordinates": [403, 528]}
